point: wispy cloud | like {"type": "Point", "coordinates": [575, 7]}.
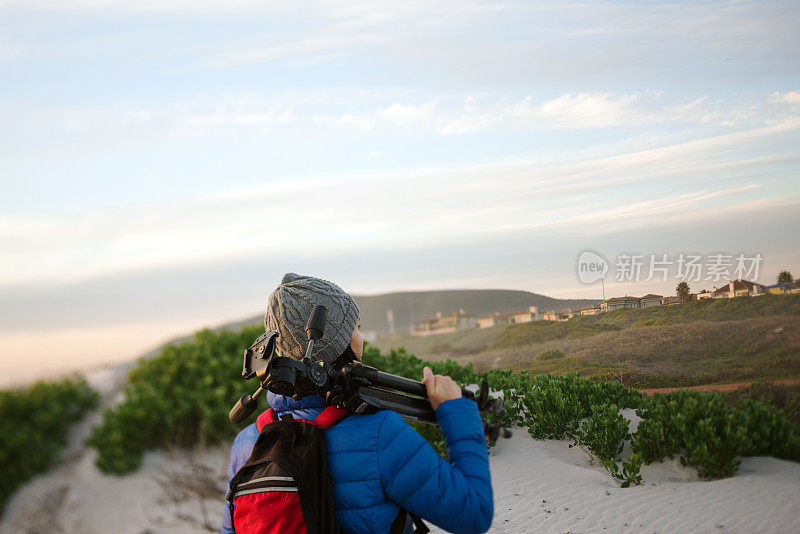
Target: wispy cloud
{"type": "Point", "coordinates": [395, 209]}
{"type": "Point", "coordinates": [277, 115]}
{"type": "Point", "coordinates": [791, 97]}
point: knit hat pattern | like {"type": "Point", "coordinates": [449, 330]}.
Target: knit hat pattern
{"type": "Point", "coordinates": [289, 308]}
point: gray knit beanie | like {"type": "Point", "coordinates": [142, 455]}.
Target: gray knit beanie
{"type": "Point", "coordinates": [289, 308]}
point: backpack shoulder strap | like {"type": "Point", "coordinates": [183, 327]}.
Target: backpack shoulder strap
{"type": "Point", "coordinates": [266, 417]}
{"type": "Point", "coordinates": [330, 416]}
{"type": "Point", "coordinates": [326, 418]}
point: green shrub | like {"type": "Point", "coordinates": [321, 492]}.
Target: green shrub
{"type": "Point", "coordinates": [33, 427]}
{"type": "Point", "coordinates": [179, 398]}
{"type": "Point", "coordinates": [784, 397]}
{"type": "Point", "coordinates": [182, 397]}
{"type": "Point", "coordinates": [551, 354]}
{"type": "Point", "coordinates": [768, 431]}
{"type": "Point", "coordinates": [710, 435]}
{"type": "Point", "coordinates": [629, 474]}
{"type": "Point", "coordinates": [604, 432]}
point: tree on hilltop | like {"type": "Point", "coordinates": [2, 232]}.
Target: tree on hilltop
{"type": "Point", "coordinates": [683, 292]}
{"type": "Point", "coordinates": [785, 277]}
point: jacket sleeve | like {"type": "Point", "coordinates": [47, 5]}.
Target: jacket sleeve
{"type": "Point", "coordinates": [227, 524]}
{"type": "Point", "coordinates": [240, 451]}
{"type": "Point", "coordinates": [456, 496]}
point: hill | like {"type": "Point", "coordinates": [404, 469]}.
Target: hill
{"type": "Point", "coordinates": [694, 343]}
{"type": "Point", "coordinates": [410, 306]}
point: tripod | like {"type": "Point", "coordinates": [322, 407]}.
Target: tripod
{"type": "Point", "coordinates": [355, 387]}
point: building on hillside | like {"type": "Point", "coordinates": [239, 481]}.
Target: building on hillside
{"type": "Point", "coordinates": [650, 300]}
{"type": "Point", "coordinates": [705, 294]}
{"type": "Point", "coordinates": [591, 310]}
{"type": "Point", "coordinates": [783, 289]}
{"type": "Point", "coordinates": [561, 315]}
{"type": "Point", "coordinates": [443, 324]}
{"type": "Point", "coordinates": [493, 319]}
{"type": "Point", "coordinates": [618, 303]}
{"type": "Point", "coordinates": [671, 301]}
{"type": "Point", "coordinates": [523, 316]}
{"type": "Point", "coordinates": [739, 288]}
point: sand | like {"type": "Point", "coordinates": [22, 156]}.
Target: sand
{"type": "Point", "coordinates": [539, 486]}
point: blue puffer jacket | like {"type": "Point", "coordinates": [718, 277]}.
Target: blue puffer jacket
{"type": "Point", "coordinates": [380, 463]}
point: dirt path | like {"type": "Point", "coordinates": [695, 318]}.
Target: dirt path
{"type": "Point", "coordinates": [723, 387]}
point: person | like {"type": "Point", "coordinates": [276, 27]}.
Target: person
{"type": "Point", "coordinates": [379, 464]}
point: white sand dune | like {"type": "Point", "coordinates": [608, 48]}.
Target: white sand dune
{"type": "Point", "coordinates": [545, 486]}
{"type": "Point", "coordinates": [539, 486]}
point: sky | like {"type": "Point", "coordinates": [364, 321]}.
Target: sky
{"type": "Point", "coordinates": [163, 163]}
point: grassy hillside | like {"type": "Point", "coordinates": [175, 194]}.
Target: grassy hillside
{"type": "Point", "coordinates": [694, 343]}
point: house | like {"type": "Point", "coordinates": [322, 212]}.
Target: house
{"type": "Point", "coordinates": [704, 294]}
{"type": "Point", "coordinates": [561, 315]}
{"type": "Point", "coordinates": [671, 301]}
{"type": "Point", "coordinates": [739, 288]}
{"type": "Point", "coordinates": [618, 303]}
{"type": "Point", "coordinates": [591, 310]}
{"type": "Point", "coordinates": [443, 324]}
{"type": "Point", "coordinates": [650, 300]}
{"type": "Point", "coordinates": [783, 288]}
{"type": "Point", "coordinates": [493, 319]}
{"type": "Point", "coordinates": [523, 316]}
{"type": "Point", "coordinates": [550, 316]}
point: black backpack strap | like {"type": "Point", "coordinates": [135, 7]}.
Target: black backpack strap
{"type": "Point", "coordinates": [399, 523]}
{"type": "Point", "coordinates": [419, 526]}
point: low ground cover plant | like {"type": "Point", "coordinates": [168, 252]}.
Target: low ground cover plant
{"type": "Point", "coordinates": [33, 427]}
{"type": "Point", "coordinates": [179, 398]}
{"type": "Point", "coordinates": [182, 397]}
{"type": "Point", "coordinates": [706, 432]}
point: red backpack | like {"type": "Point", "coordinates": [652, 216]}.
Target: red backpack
{"type": "Point", "coordinates": [285, 486]}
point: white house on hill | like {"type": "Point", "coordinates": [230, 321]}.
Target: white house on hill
{"type": "Point", "coordinates": [443, 324]}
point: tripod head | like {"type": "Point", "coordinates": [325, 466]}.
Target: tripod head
{"type": "Point", "coordinates": [355, 387]}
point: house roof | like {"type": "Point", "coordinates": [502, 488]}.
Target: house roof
{"type": "Point", "coordinates": [507, 314]}
{"type": "Point", "coordinates": [738, 285]}
{"type": "Point", "coordinates": [444, 316]}
{"type": "Point", "coordinates": [652, 296]}
{"type": "Point", "coordinates": [626, 298]}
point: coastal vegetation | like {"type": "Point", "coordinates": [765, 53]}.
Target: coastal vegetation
{"type": "Point", "coordinates": [34, 423]}
{"type": "Point", "coordinates": [182, 398]}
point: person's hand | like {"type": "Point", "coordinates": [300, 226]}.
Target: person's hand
{"type": "Point", "coordinates": [440, 388]}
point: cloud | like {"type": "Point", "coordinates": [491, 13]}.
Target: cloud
{"type": "Point", "coordinates": [396, 210]}
{"type": "Point", "coordinates": [311, 113]}
{"type": "Point", "coordinates": [792, 97]}
{"type": "Point", "coordinates": [298, 47]}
